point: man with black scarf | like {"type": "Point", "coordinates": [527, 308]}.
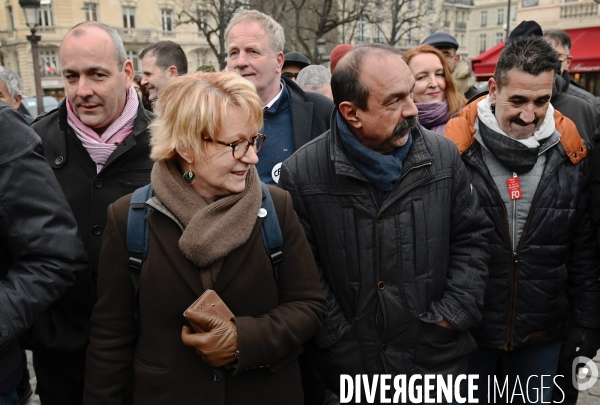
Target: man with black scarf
{"type": "Point", "coordinates": [531, 170]}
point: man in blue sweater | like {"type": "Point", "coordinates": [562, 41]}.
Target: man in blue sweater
{"type": "Point", "coordinates": [292, 117]}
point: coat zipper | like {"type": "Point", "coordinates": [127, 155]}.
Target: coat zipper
{"type": "Point", "coordinates": [512, 277]}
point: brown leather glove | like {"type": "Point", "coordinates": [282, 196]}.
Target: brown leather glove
{"type": "Point", "coordinates": [218, 345]}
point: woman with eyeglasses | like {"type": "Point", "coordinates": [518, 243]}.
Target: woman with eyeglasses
{"type": "Point", "coordinates": [204, 233]}
{"type": "Point", "coordinates": [435, 93]}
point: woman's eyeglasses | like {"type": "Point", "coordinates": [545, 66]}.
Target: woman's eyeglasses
{"type": "Point", "coordinates": [240, 148]}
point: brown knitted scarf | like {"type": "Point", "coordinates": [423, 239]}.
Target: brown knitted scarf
{"type": "Point", "coordinates": [212, 229]}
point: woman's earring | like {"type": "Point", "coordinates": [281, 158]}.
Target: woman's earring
{"type": "Point", "coordinates": [189, 176]}
{"type": "Point", "coordinates": [493, 108]}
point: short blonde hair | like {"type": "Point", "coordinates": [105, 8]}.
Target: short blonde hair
{"type": "Point", "coordinates": [193, 108]}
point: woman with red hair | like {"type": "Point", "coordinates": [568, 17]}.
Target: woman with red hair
{"type": "Point", "coordinates": [435, 94]}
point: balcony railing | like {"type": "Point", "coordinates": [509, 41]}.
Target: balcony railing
{"type": "Point", "coordinates": [460, 2]}
{"type": "Point", "coordinates": [460, 26]}
{"type": "Point", "coordinates": [577, 10]}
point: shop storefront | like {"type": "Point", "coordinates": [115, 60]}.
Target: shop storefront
{"type": "Point", "coordinates": [585, 66]}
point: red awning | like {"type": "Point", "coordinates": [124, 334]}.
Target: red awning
{"type": "Point", "coordinates": [584, 50]}
{"type": "Point", "coordinates": [484, 64]}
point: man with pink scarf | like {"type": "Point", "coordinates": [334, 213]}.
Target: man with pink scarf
{"type": "Point", "coordinates": [97, 142]}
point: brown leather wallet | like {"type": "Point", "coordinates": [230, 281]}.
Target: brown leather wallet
{"type": "Point", "coordinates": [212, 304]}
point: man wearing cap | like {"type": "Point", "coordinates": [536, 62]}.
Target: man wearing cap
{"type": "Point", "coordinates": [292, 116]}
{"type": "Point", "coordinates": [292, 65]}
{"type": "Point", "coordinates": [337, 53]}
{"type": "Point", "coordinates": [461, 72]}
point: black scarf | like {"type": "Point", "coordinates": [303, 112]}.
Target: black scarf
{"type": "Point", "coordinates": [511, 153]}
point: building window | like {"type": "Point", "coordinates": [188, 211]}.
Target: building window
{"type": "Point", "coordinates": [378, 37]}
{"type": "Point", "coordinates": [133, 57]}
{"type": "Point", "coordinates": [484, 18]}
{"type": "Point", "coordinates": [49, 62]}
{"type": "Point", "coordinates": [482, 39]}
{"type": "Point", "coordinates": [91, 11]}
{"type": "Point", "coordinates": [530, 3]}
{"type": "Point", "coordinates": [15, 64]}
{"type": "Point", "coordinates": [129, 17]}
{"type": "Point", "coordinates": [411, 5]}
{"type": "Point", "coordinates": [45, 14]}
{"type": "Point", "coordinates": [430, 5]}
{"type": "Point", "coordinates": [362, 22]}
{"type": "Point", "coordinates": [410, 33]}
{"type": "Point", "coordinates": [499, 37]}
{"type": "Point", "coordinates": [500, 17]}
{"type": "Point", "coordinates": [166, 17]}
{"type": "Point", "coordinates": [9, 16]}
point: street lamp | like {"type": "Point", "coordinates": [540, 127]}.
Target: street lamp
{"type": "Point", "coordinates": [321, 42]}
{"type": "Point", "coordinates": [31, 10]}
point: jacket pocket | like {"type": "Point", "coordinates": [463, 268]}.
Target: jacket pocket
{"type": "Point", "coordinates": [443, 350]}
{"type": "Point", "coordinates": [149, 364]}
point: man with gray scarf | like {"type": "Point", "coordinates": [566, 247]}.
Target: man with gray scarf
{"type": "Point", "coordinates": [531, 170]}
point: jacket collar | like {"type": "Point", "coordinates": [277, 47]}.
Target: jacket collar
{"type": "Point", "coordinates": [420, 155]}
{"type": "Point", "coordinates": [302, 113]}
{"type": "Point", "coordinates": [461, 130]}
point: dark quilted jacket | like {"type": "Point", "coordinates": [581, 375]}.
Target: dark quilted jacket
{"type": "Point", "coordinates": [391, 272]}
{"type": "Point", "coordinates": [553, 277]}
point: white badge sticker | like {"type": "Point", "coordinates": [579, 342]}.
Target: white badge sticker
{"type": "Point", "coordinates": [276, 172]}
{"type": "Point", "coordinates": [262, 213]}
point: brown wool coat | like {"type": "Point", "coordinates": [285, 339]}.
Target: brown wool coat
{"type": "Point", "coordinates": [274, 318]}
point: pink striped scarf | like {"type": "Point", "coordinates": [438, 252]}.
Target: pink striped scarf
{"type": "Point", "coordinates": [99, 147]}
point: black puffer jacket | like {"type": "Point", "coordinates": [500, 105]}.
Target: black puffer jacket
{"type": "Point", "coordinates": [391, 272]}
{"type": "Point", "coordinates": [554, 275]}
{"type": "Point", "coordinates": [40, 249]}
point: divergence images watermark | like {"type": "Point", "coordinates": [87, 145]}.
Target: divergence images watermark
{"type": "Point", "coordinates": [462, 389]}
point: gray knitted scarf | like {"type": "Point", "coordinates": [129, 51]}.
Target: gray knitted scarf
{"type": "Point", "coordinates": [212, 229]}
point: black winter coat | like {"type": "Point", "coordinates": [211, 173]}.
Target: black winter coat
{"type": "Point", "coordinates": [391, 271]}
{"type": "Point", "coordinates": [63, 330]}
{"type": "Point", "coordinates": [554, 274]}
{"type": "Point", "coordinates": [40, 249]}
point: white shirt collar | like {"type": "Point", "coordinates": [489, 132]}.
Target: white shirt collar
{"type": "Point", "coordinates": [270, 103]}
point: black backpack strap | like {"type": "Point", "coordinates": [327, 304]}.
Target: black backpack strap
{"type": "Point", "coordinates": [271, 231]}
{"type": "Point", "coordinates": [137, 241]}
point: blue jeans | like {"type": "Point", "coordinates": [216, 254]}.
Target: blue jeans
{"type": "Point", "coordinates": [529, 371]}
{"type": "Point", "coordinates": [9, 399]}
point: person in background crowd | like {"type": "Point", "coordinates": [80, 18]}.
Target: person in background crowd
{"type": "Point", "coordinates": [531, 171]}
{"type": "Point", "coordinates": [97, 143]}
{"type": "Point", "coordinates": [435, 94]}
{"type": "Point", "coordinates": [204, 234]}
{"type": "Point", "coordinates": [293, 63]}
{"type": "Point", "coordinates": [142, 91]}
{"type": "Point", "coordinates": [41, 252]}
{"type": "Point", "coordinates": [292, 117]}
{"type": "Point", "coordinates": [161, 62]}
{"type": "Point", "coordinates": [461, 71]}
{"type": "Point", "coordinates": [315, 78]}
{"type": "Point", "coordinates": [337, 53]}
{"type": "Point", "coordinates": [397, 234]}
{"type": "Point", "coordinates": [10, 91]}
{"type": "Point", "coordinates": [561, 42]}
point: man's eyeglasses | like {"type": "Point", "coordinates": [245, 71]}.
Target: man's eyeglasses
{"type": "Point", "coordinates": [561, 56]}
{"type": "Point", "coordinates": [289, 75]}
{"type": "Point", "coordinates": [240, 148]}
